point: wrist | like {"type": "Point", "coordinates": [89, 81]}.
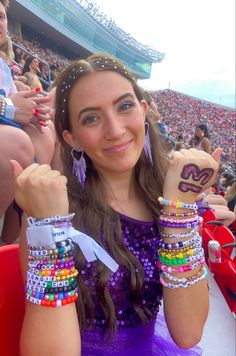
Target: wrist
{"type": "Point", "coordinates": [9, 109]}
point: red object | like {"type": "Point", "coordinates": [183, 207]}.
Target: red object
{"type": "Point", "coordinates": [37, 89]}
{"type": "Point", "coordinates": [12, 300]}
{"type": "Point", "coordinates": [225, 276]}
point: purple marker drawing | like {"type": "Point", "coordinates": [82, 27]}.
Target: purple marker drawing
{"type": "Point", "coordinates": [186, 187]}
{"type": "Point", "coordinates": [201, 175]}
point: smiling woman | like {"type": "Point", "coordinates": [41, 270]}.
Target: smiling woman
{"type": "Point", "coordinates": [116, 173]}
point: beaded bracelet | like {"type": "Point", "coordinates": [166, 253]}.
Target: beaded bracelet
{"type": "Point", "coordinates": [172, 277]}
{"type": "Point", "coordinates": [178, 204]}
{"type": "Point", "coordinates": [53, 304]}
{"type": "Point", "coordinates": [178, 254]}
{"type": "Point", "coordinates": [181, 225]}
{"type": "Point", "coordinates": [179, 236]}
{"type": "Point", "coordinates": [163, 212]}
{"type": "Point", "coordinates": [50, 220]}
{"type": "Point", "coordinates": [179, 221]}
{"type": "Point", "coordinates": [182, 261]}
{"type": "Point", "coordinates": [185, 285]}
{"type": "Point", "coordinates": [181, 269]}
{"type": "Point", "coordinates": [195, 239]}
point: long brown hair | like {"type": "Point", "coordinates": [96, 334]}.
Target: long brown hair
{"type": "Point", "coordinates": [93, 215]}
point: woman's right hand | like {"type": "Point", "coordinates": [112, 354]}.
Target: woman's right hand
{"type": "Point", "coordinates": [40, 191]}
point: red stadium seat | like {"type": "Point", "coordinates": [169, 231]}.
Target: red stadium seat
{"type": "Point", "coordinates": [11, 300]}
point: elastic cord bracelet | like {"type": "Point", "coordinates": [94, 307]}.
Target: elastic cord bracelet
{"type": "Point", "coordinates": [196, 240]}
{"type": "Point", "coordinates": [179, 221]}
{"type": "Point", "coordinates": [163, 212]}
{"type": "Point", "coordinates": [181, 269]}
{"type": "Point", "coordinates": [185, 285]}
{"type": "Point", "coordinates": [51, 220]}
{"type": "Point", "coordinates": [52, 304]}
{"type": "Point", "coordinates": [179, 236]}
{"type": "Point", "coordinates": [171, 277]}
{"type": "Point", "coordinates": [181, 225]}
{"type": "Point", "coordinates": [182, 261]}
{"type": "Point", "coordinates": [178, 204]}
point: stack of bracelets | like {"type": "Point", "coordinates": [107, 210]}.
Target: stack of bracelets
{"type": "Point", "coordinates": [51, 278]}
{"type": "Point", "coordinates": [185, 253]}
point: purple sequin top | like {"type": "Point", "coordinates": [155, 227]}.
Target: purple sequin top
{"type": "Point", "coordinates": [141, 238]}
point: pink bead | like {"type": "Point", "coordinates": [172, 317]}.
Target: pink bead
{"type": "Point", "coordinates": [174, 204]}
{"type": "Point", "coordinates": [181, 269]}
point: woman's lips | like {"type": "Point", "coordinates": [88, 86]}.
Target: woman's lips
{"type": "Point", "coordinates": [119, 148]}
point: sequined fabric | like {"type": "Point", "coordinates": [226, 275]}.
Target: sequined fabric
{"type": "Point", "coordinates": [132, 337]}
{"type": "Point", "coordinates": [141, 238]}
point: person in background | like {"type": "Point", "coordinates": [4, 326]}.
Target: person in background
{"type": "Point", "coordinates": [115, 177]}
{"type": "Point", "coordinates": [18, 111]}
{"type": "Point", "coordinates": [31, 72]}
{"type": "Point", "coordinates": [201, 139]}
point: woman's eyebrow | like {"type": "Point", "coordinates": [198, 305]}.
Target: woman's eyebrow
{"type": "Point", "coordinates": [91, 108]}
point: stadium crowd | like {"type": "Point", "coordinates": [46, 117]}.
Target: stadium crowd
{"type": "Point", "coordinates": [181, 113]}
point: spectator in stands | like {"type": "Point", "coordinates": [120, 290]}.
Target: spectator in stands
{"type": "Point", "coordinates": [18, 55]}
{"type": "Point", "coordinates": [101, 118]}
{"type": "Point", "coordinates": [230, 195]}
{"type": "Point", "coordinates": [31, 72]}
{"type": "Point", "coordinates": [43, 75]}
{"type": "Point", "coordinates": [53, 71]}
{"type": "Point", "coordinates": [17, 111]}
{"type": "Point", "coordinates": [201, 140]}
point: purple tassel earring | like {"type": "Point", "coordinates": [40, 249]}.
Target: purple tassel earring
{"type": "Point", "coordinates": [147, 143]}
{"type": "Point", "coordinates": [79, 166]}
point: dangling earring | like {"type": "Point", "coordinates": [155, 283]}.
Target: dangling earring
{"type": "Point", "coordinates": [147, 143]}
{"type": "Point", "coordinates": [79, 166]}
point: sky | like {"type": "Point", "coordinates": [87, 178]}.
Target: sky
{"type": "Point", "coordinates": [197, 37]}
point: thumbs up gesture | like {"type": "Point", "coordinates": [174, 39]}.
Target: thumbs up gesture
{"type": "Point", "coordinates": [190, 173]}
{"type": "Point", "coordinates": [39, 190]}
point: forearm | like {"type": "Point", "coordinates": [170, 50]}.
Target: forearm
{"type": "Point", "coordinates": [47, 331]}
{"type": "Point", "coordinates": [186, 311]}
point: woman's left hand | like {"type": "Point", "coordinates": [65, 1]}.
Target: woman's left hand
{"type": "Point", "coordinates": [190, 173]}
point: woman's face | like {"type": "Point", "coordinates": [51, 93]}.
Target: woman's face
{"type": "Point", "coordinates": [199, 133]}
{"type": "Point", "coordinates": [107, 121]}
{"type": "Point", "coordinates": [34, 64]}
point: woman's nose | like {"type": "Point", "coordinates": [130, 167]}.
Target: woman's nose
{"type": "Point", "coordinates": [114, 127]}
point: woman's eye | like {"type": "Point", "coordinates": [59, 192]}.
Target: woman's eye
{"type": "Point", "coordinates": [89, 120]}
{"type": "Point", "coordinates": [125, 106]}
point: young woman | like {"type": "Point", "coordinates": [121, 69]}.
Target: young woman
{"type": "Point", "coordinates": [115, 173]}
{"type": "Point", "coordinates": [31, 71]}
{"type": "Point", "coordinates": [201, 139]}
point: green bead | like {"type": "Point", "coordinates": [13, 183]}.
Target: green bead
{"type": "Point", "coordinates": [49, 285]}
{"type": "Point", "coordinates": [51, 297]}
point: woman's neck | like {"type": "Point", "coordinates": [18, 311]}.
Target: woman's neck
{"type": "Point", "coordinates": [124, 196]}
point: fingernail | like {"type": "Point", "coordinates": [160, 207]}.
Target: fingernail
{"type": "Point", "coordinates": [37, 89]}
{"type": "Point", "coordinates": [36, 110]}
{"type": "Point", "coordinates": [41, 123]}
{"type": "Point", "coordinates": [36, 114]}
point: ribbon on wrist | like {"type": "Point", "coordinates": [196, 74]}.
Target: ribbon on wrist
{"type": "Point", "coordinates": [51, 235]}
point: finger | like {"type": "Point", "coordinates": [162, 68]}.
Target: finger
{"type": "Point", "coordinates": [42, 99]}
{"type": "Point", "coordinates": [28, 93]}
{"type": "Point", "coordinates": [52, 174]}
{"type": "Point", "coordinates": [42, 169]}
{"type": "Point", "coordinates": [216, 154]}
{"type": "Point", "coordinates": [16, 168]}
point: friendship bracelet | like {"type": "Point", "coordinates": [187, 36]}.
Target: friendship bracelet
{"type": "Point", "coordinates": [163, 212]}
{"type": "Point", "coordinates": [171, 277]}
{"type": "Point", "coordinates": [50, 220]}
{"type": "Point", "coordinates": [52, 304]}
{"type": "Point", "coordinates": [175, 245]}
{"type": "Point", "coordinates": [183, 261]}
{"type": "Point", "coordinates": [179, 221]}
{"type": "Point", "coordinates": [179, 236]}
{"type": "Point", "coordinates": [179, 254]}
{"type": "Point", "coordinates": [182, 269]}
{"type": "Point", "coordinates": [54, 246]}
{"type": "Point", "coordinates": [185, 285]}
{"type": "Point", "coordinates": [178, 204]}
{"type": "Point", "coordinates": [179, 226]}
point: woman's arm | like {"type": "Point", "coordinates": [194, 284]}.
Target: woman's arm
{"type": "Point", "coordinates": [206, 145]}
{"type": "Point", "coordinates": [186, 309]}
{"type": "Point", "coordinates": [42, 192]}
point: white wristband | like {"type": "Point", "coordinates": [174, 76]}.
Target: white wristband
{"type": "Point", "coordinates": [10, 109]}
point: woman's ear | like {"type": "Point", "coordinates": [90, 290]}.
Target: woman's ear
{"type": "Point", "coordinates": [68, 137]}
{"type": "Point", "coordinates": [144, 106]}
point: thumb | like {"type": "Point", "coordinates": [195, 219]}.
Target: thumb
{"type": "Point", "coordinates": [216, 154]}
{"type": "Point", "coordinates": [16, 168]}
